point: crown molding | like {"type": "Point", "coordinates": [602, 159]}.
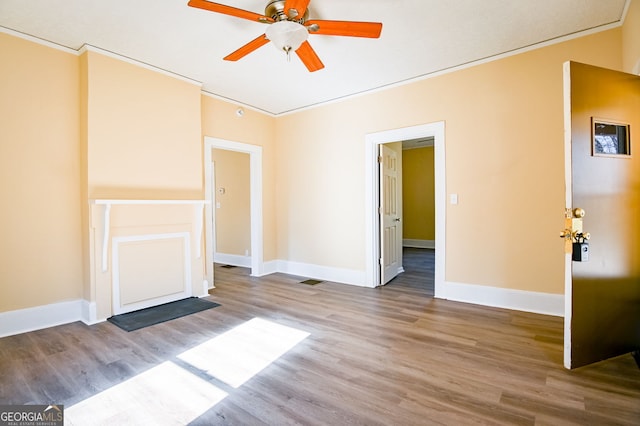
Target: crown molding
{"type": "Point", "coordinates": [240, 104]}
{"type": "Point", "coordinates": [89, 48]}
{"type": "Point", "coordinates": [37, 40]}
{"type": "Point", "coordinates": [430, 75]}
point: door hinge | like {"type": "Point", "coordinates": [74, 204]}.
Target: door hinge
{"type": "Point", "coordinates": [380, 159]}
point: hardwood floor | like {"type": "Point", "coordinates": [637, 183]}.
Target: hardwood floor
{"type": "Point", "coordinates": [419, 270]}
{"type": "Point", "coordinates": [385, 356]}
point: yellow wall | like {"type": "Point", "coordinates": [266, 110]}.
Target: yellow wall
{"type": "Point", "coordinates": [219, 120]}
{"type": "Point", "coordinates": [418, 192]}
{"type": "Point", "coordinates": [631, 39]}
{"type": "Point", "coordinates": [87, 290]}
{"type": "Point", "coordinates": [144, 137]}
{"type": "Point", "coordinates": [141, 139]}
{"type": "Point", "coordinates": [40, 235]}
{"type": "Point", "coordinates": [232, 198]}
{"type": "Point", "coordinates": [94, 126]}
{"type": "Point", "coordinates": [504, 158]}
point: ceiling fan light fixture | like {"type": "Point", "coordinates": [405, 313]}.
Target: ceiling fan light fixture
{"type": "Point", "coordinates": [287, 35]}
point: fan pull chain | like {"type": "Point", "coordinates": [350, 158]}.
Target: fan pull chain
{"type": "Point", "coordinates": [287, 49]}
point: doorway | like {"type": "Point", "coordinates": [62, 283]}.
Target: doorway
{"type": "Point", "coordinates": [372, 190]}
{"type": "Point", "coordinates": [418, 265]}
{"type": "Point", "coordinates": [231, 207]}
{"type": "Point", "coordinates": [418, 214]}
{"type": "Point", "coordinates": [255, 194]}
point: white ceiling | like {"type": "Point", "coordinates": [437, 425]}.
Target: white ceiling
{"type": "Point", "coordinates": [419, 37]}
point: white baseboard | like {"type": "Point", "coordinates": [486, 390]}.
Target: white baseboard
{"type": "Point", "coordinates": [326, 273]}
{"type": "Point", "coordinates": [89, 312]}
{"type": "Point", "coordinates": [270, 267]}
{"type": "Point", "coordinates": [232, 259]}
{"type": "Point", "coordinates": [518, 300]}
{"type": "Point", "coordinates": [39, 317]}
{"type": "Point", "coordinates": [430, 244]}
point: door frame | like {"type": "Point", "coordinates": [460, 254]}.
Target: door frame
{"type": "Point", "coordinates": [372, 191]}
{"type": "Point", "coordinates": [255, 171]}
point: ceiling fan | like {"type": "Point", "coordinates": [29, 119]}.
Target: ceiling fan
{"type": "Point", "coordinates": [289, 27]}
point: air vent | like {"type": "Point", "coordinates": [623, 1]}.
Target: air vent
{"type": "Point", "coordinates": [311, 282]}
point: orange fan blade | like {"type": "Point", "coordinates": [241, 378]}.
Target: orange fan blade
{"type": "Point", "coordinates": [309, 57]}
{"type": "Point", "coordinates": [228, 10]}
{"type": "Point", "coordinates": [247, 48]}
{"type": "Point", "coordinates": [345, 28]}
{"type": "Point", "coordinates": [300, 7]}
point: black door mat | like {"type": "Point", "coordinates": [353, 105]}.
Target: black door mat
{"type": "Point", "coordinates": [157, 314]}
{"type": "Point", "coordinates": [311, 282]}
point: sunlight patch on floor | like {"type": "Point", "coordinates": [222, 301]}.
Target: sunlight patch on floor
{"type": "Point", "coordinates": [169, 394]}
{"type": "Point", "coordinates": [166, 394]}
{"type": "Point", "coordinates": [242, 352]}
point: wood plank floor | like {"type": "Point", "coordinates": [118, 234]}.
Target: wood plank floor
{"type": "Point", "coordinates": [386, 356]}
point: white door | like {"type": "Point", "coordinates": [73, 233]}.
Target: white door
{"type": "Point", "coordinates": [390, 224]}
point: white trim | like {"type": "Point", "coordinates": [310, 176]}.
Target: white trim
{"type": "Point", "coordinates": [239, 103]}
{"type": "Point", "coordinates": [518, 300]}
{"type": "Point", "coordinates": [372, 243]}
{"type": "Point", "coordinates": [90, 48]}
{"type": "Point", "coordinates": [39, 317]}
{"type": "Point", "coordinates": [336, 275]}
{"type": "Point", "coordinates": [429, 244]}
{"type": "Point", "coordinates": [89, 312]}
{"type": "Point", "coordinates": [625, 12]}
{"type": "Point", "coordinates": [30, 319]}
{"type": "Point", "coordinates": [105, 237]}
{"type": "Point", "coordinates": [232, 259]}
{"type": "Point", "coordinates": [255, 171]}
{"type": "Point", "coordinates": [145, 202]}
{"type": "Point", "coordinates": [457, 68]}
{"type": "Point", "coordinates": [199, 227]}
{"type": "Point", "coordinates": [117, 307]}
{"type": "Point", "coordinates": [427, 76]}
{"type": "Point", "coordinates": [107, 219]}
{"type": "Point", "coordinates": [270, 267]}
{"type": "Point", "coordinates": [37, 40]}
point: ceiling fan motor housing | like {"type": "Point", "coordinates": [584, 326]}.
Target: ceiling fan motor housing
{"type": "Point", "coordinates": [275, 10]}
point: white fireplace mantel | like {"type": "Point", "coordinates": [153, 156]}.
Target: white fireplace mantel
{"type": "Point", "coordinates": [107, 203]}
